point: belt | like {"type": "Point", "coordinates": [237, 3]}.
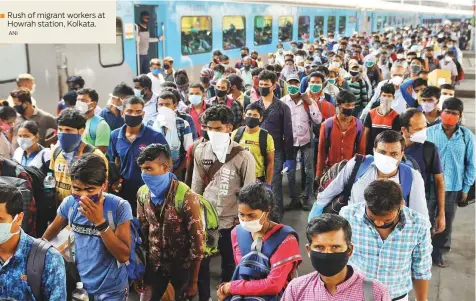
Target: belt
{"type": "Point", "coordinates": [399, 298]}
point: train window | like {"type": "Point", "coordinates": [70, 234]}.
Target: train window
{"type": "Point", "coordinates": [379, 23]}
{"type": "Point", "coordinates": [263, 31]}
{"type": "Point", "coordinates": [303, 27]}
{"type": "Point", "coordinates": [196, 35]}
{"type": "Point", "coordinates": [385, 21]}
{"type": "Point", "coordinates": [14, 61]}
{"type": "Point", "coordinates": [318, 26]}
{"type": "Point", "coordinates": [111, 55]}
{"type": "Point", "coordinates": [342, 25]}
{"type": "Point", "coordinates": [285, 29]}
{"type": "Point", "coordinates": [331, 24]}
{"type": "Point", "coordinates": [234, 32]}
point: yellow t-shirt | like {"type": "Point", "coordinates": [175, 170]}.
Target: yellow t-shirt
{"type": "Point", "coordinates": [60, 168]}
{"type": "Point", "coordinates": [251, 143]}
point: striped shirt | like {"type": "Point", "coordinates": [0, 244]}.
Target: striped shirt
{"type": "Point", "coordinates": [404, 255]}
{"type": "Point", "coordinates": [457, 156]}
{"type": "Point", "coordinates": [360, 90]}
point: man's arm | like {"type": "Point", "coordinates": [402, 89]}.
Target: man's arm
{"type": "Point", "coordinates": [316, 115]}
{"type": "Point", "coordinates": [366, 135]}
{"type": "Point", "coordinates": [469, 158]}
{"type": "Point", "coordinates": [440, 222]}
{"type": "Point", "coordinates": [199, 174]}
{"type": "Point", "coordinates": [407, 96]}
{"type": "Point", "coordinates": [421, 289]}
{"type": "Point", "coordinates": [322, 152]}
{"type": "Point", "coordinates": [269, 167]}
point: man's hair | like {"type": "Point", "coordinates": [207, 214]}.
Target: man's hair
{"type": "Point", "coordinates": [417, 59]}
{"type": "Point", "coordinates": [12, 199]}
{"type": "Point", "coordinates": [174, 92]}
{"type": "Point", "coordinates": [388, 88]}
{"type": "Point", "coordinates": [90, 92]}
{"type": "Point", "coordinates": [70, 98]}
{"type": "Point", "coordinates": [73, 118]}
{"type": "Point", "coordinates": [383, 196]}
{"type": "Point", "coordinates": [144, 13]}
{"type": "Point", "coordinates": [220, 113]}
{"type": "Point", "coordinates": [235, 80]}
{"type": "Point", "coordinates": [133, 100]}
{"type": "Point", "coordinates": [155, 61]}
{"type": "Point", "coordinates": [317, 74]}
{"type": "Point", "coordinates": [256, 71]}
{"type": "Point", "coordinates": [7, 112]}
{"type": "Point", "coordinates": [431, 91]}
{"type": "Point", "coordinates": [245, 48]}
{"type": "Point", "coordinates": [23, 95]}
{"type": "Point", "coordinates": [345, 97]}
{"type": "Point", "coordinates": [327, 222]}
{"type": "Point", "coordinates": [89, 169]}
{"type": "Point", "coordinates": [269, 67]}
{"type": "Point", "coordinates": [407, 115]}
{"type": "Point", "coordinates": [256, 107]}
{"type": "Point", "coordinates": [228, 84]}
{"type": "Point", "coordinates": [268, 75]}
{"type": "Point", "coordinates": [168, 95]}
{"type": "Point", "coordinates": [76, 80]}
{"type": "Point", "coordinates": [389, 136]}
{"type": "Point", "coordinates": [447, 87]}
{"type": "Point", "coordinates": [453, 103]}
{"type": "Point", "coordinates": [144, 81]}
{"type": "Point", "coordinates": [217, 53]}
{"type": "Point", "coordinates": [168, 84]}
{"type": "Point", "coordinates": [197, 86]}
{"type": "Point", "coordinates": [257, 197]}
{"type": "Point", "coordinates": [123, 89]}
{"type": "Point", "coordinates": [420, 82]}
{"type": "Point", "coordinates": [154, 151]}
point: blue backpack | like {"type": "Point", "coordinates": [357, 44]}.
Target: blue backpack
{"type": "Point", "coordinates": [255, 263]}
{"type": "Point", "coordinates": [137, 258]}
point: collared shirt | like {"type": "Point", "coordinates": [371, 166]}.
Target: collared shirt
{"type": "Point", "coordinates": [310, 287]}
{"type": "Point", "coordinates": [235, 107]}
{"type": "Point", "coordinates": [114, 121]}
{"type": "Point", "coordinates": [457, 156]}
{"type": "Point", "coordinates": [13, 273]}
{"type": "Point", "coordinates": [128, 152]}
{"type": "Point", "coordinates": [302, 119]}
{"type": "Point", "coordinates": [39, 159]}
{"type": "Point", "coordinates": [190, 109]}
{"type": "Point", "coordinates": [404, 255]}
{"type": "Point", "coordinates": [151, 109]}
{"type": "Point", "coordinates": [417, 199]}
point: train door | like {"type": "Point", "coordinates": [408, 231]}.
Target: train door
{"type": "Point", "coordinates": [154, 37]}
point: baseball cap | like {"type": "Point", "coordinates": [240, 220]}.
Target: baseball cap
{"type": "Point", "coordinates": [353, 64]}
{"type": "Point", "coordinates": [291, 77]}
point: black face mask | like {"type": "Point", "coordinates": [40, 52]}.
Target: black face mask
{"type": "Point", "coordinates": [329, 264]}
{"type": "Point", "coordinates": [347, 112]}
{"type": "Point", "coordinates": [166, 67]}
{"type": "Point", "coordinates": [132, 120]}
{"type": "Point", "coordinates": [384, 226]}
{"type": "Point", "coordinates": [243, 55]}
{"type": "Point", "coordinates": [205, 135]}
{"type": "Point", "coordinates": [181, 80]}
{"type": "Point", "coordinates": [204, 80]}
{"type": "Point", "coordinates": [247, 67]}
{"type": "Point", "coordinates": [264, 91]}
{"type": "Point", "coordinates": [20, 109]}
{"type": "Point", "coordinates": [220, 93]}
{"type": "Point", "coordinates": [252, 122]}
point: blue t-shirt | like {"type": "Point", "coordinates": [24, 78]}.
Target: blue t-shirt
{"type": "Point", "coordinates": [114, 121]}
{"type": "Point", "coordinates": [99, 270]}
{"type": "Point", "coordinates": [416, 152]}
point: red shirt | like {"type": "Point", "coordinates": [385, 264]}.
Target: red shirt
{"type": "Point", "coordinates": [341, 145]}
{"type": "Point", "coordinates": [278, 277]}
{"type": "Point", "coordinates": [192, 112]}
{"type": "Point", "coordinates": [327, 109]}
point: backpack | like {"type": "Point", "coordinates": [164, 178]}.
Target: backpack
{"type": "Point", "coordinates": [138, 256]}
{"type": "Point", "coordinates": [255, 263]}
{"type": "Point", "coordinates": [93, 125]}
{"type": "Point", "coordinates": [88, 148]}
{"type": "Point", "coordinates": [36, 264]}
{"type": "Point", "coordinates": [263, 141]}
{"type": "Point", "coordinates": [329, 124]}
{"type": "Point", "coordinates": [316, 128]}
{"type": "Point", "coordinates": [410, 161]}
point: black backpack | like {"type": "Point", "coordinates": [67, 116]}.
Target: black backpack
{"type": "Point", "coordinates": [263, 141]}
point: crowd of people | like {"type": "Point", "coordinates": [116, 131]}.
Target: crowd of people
{"type": "Point", "coordinates": [182, 171]}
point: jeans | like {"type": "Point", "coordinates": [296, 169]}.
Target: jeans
{"type": "Point", "coordinates": [204, 280]}
{"type": "Point", "coordinates": [278, 179]}
{"type": "Point", "coordinates": [307, 164]}
{"type": "Point", "coordinates": [443, 239]}
{"type": "Point", "coordinates": [144, 62]}
{"type": "Point", "coordinates": [114, 296]}
{"type": "Point", "coordinates": [156, 283]}
{"type": "Point", "coordinates": [226, 252]}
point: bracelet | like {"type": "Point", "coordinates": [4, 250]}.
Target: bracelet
{"type": "Point", "coordinates": [104, 231]}
{"type": "Point", "coordinates": [102, 226]}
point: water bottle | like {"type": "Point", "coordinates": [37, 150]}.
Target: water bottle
{"type": "Point", "coordinates": [80, 294]}
{"type": "Point", "coordinates": [49, 188]}
{"type": "Point", "coordinates": [298, 160]}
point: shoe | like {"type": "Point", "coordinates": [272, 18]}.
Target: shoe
{"type": "Point", "coordinates": [446, 250]}
{"type": "Point", "coordinates": [306, 207]}
{"type": "Point", "coordinates": [294, 205]}
{"type": "Point", "coordinates": [441, 261]}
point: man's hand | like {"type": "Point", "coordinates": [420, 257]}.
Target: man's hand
{"type": "Point", "coordinates": [138, 286]}
{"type": "Point", "coordinates": [92, 211]}
{"type": "Point", "coordinates": [223, 291]}
{"type": "Point", "coordinates": [308, 100]}
{"type": "Point", "coordinates": [440, 223]}
{"type": "Point", "coordinates": [463, 201]}
{"type": "Point", "coordinates": [191, 290]}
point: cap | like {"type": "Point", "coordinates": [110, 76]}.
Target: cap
{"type": "Point", "coordinates": [291, 77]}
{"type": "Point", "coordinates": [353, 64]}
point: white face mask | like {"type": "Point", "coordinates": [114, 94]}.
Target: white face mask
{"type": "Point", "coordinates": [428, 107]}
{"type": "Point", "coordinates": [386, 105]}
{"type": "Point", "coordinates": [82, 107]}
{"type": "Point", "coordinates": [252, 226]}
{"type": "Point", "coordinates": [442, 100]}
{"type": "Point", "coordinates": [5, 229]}
{"type": "Point", "coordinates": [397, 80]}
{"type": "Point", "coordinates": [385, 164]}
{"type": "Point", "coordinates": [419, 137]}
{"type": "Point", "coordinates": [25, 143]}
{"type": "Point", "coordinates": [166, 118]}
{"type": "Point", "coordinates": [220, 142]}
{"type": "Point", "coordinates": [400, 56]}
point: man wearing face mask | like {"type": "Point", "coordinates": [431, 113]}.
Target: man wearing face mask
{"type": "Point", "coordinates": [237, 88]}
{"type": "Point", "coordinates": [432, 62]}
{"type": "Point", "coordinates": [416, 65]}
{"type": "Point", "coordinates": [71, 126]}
{"type": "Point", "coordinates": [381, 118]}
{"type": "Point", "coordinates": [305, 116]}
{"type": "Point", "coordinates": [448, 64]}
{"type": "Point", "coordinates": [22, 103]}
{"type": "Point", "coordinates": [222, 167]}
{"type": "Point", "coordinates": [280, 54]}
{"type": "Point", "coordinates": [385, 164]}
{"type": "Point", "coordinates": [197, 105]}
{"type": "Point", "coordinates": [411, 91]}
{"type": "Point", "coordinates": [155, 75]}
{"type": "Point", "coordinates": [383, 216]}
{"type": "Point", "coordinates": [112, 112]}
{"type": "Point", "coordinates": [182, 81]}
{"type": "Point", "coordinates": [24, 81]}
{"type": "Point", "coordinates": [357, 86]}
{"type": "Point", "coordinates": [245, 52]}
{"type": "Point", "coordinates": [429, 104]}
{"type": "Point", "coordinates": [175, 248]}
{"type": "Point", "coordinates": [456, 145]}
{"type": "Point", "coordinates": [447, 91]}
{"type": "Point", "coordinates": [143, 37]}
{"type": "Point", "coordinates": [414, 129]}
{"type": "Point", "coordinates": [15, 246]}
{"type": "Point", "coordinates": [330, 247]}
{"type": "Point", "coordinates": [191, 150]}
{"type": "Point", "coordinates": [169, 71]}
{"type": "Point", "coordinates": [206, 75]}
{"type": "Point", "coordinates": [126, 144]}
{"type": "Point", "coordinates": [143, 89]}
{"type": "Point", "coordinates": [221, 89]}
{"type": "Point", "coordinates": [97, 132]}
{"type": "Point", "coordinates": [246, 71]}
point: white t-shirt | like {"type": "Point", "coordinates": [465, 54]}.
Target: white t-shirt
{"type": "Point", "coordinates": [156, 82]}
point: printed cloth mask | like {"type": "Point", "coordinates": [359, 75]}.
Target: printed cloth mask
{"type": "Point", "coordinates": [25, 143]}
{"type": "Point", "coordinates": [419, 137]}
{"type": "Point", "coordinates": [138, 93]}
{"type": "Point", "coordinates": [415, 68]}
{"type": "Point", "coordinates": [94, 197]}
{"type": "Point", "coordinates": [220, 142]}
{"type": "Point", "coordinates": [252, 226]}
{"type": "Point", "coordinates": [354, 73]}
{"type": "Point", "coordinates": [329, 264]}
{"type": "Point", "coordinates": [6, 127]}
{"type": "Point", "coordinates": [385, 164]}
{"type": "Point", "coordinates": [156, 71]}
{"type": "Point", "coordinates": [5, 229]}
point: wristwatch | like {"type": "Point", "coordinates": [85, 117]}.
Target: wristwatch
{"type": "Point", "coordinates": [102, 226]}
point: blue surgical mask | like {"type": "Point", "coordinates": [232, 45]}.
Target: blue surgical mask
{"type": "Point", "coordinates": [5, 229]}
{"type": "Point", "coordinates": [138, 93]}
{"type": "Point", "coordinates": [195, 99]}
{"type": "Point", "coordinates": [158, 185]}
{"type": "Point", "coordinates": [69, 142]}
{"type": "Point", "coordinates": [156, 71]}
